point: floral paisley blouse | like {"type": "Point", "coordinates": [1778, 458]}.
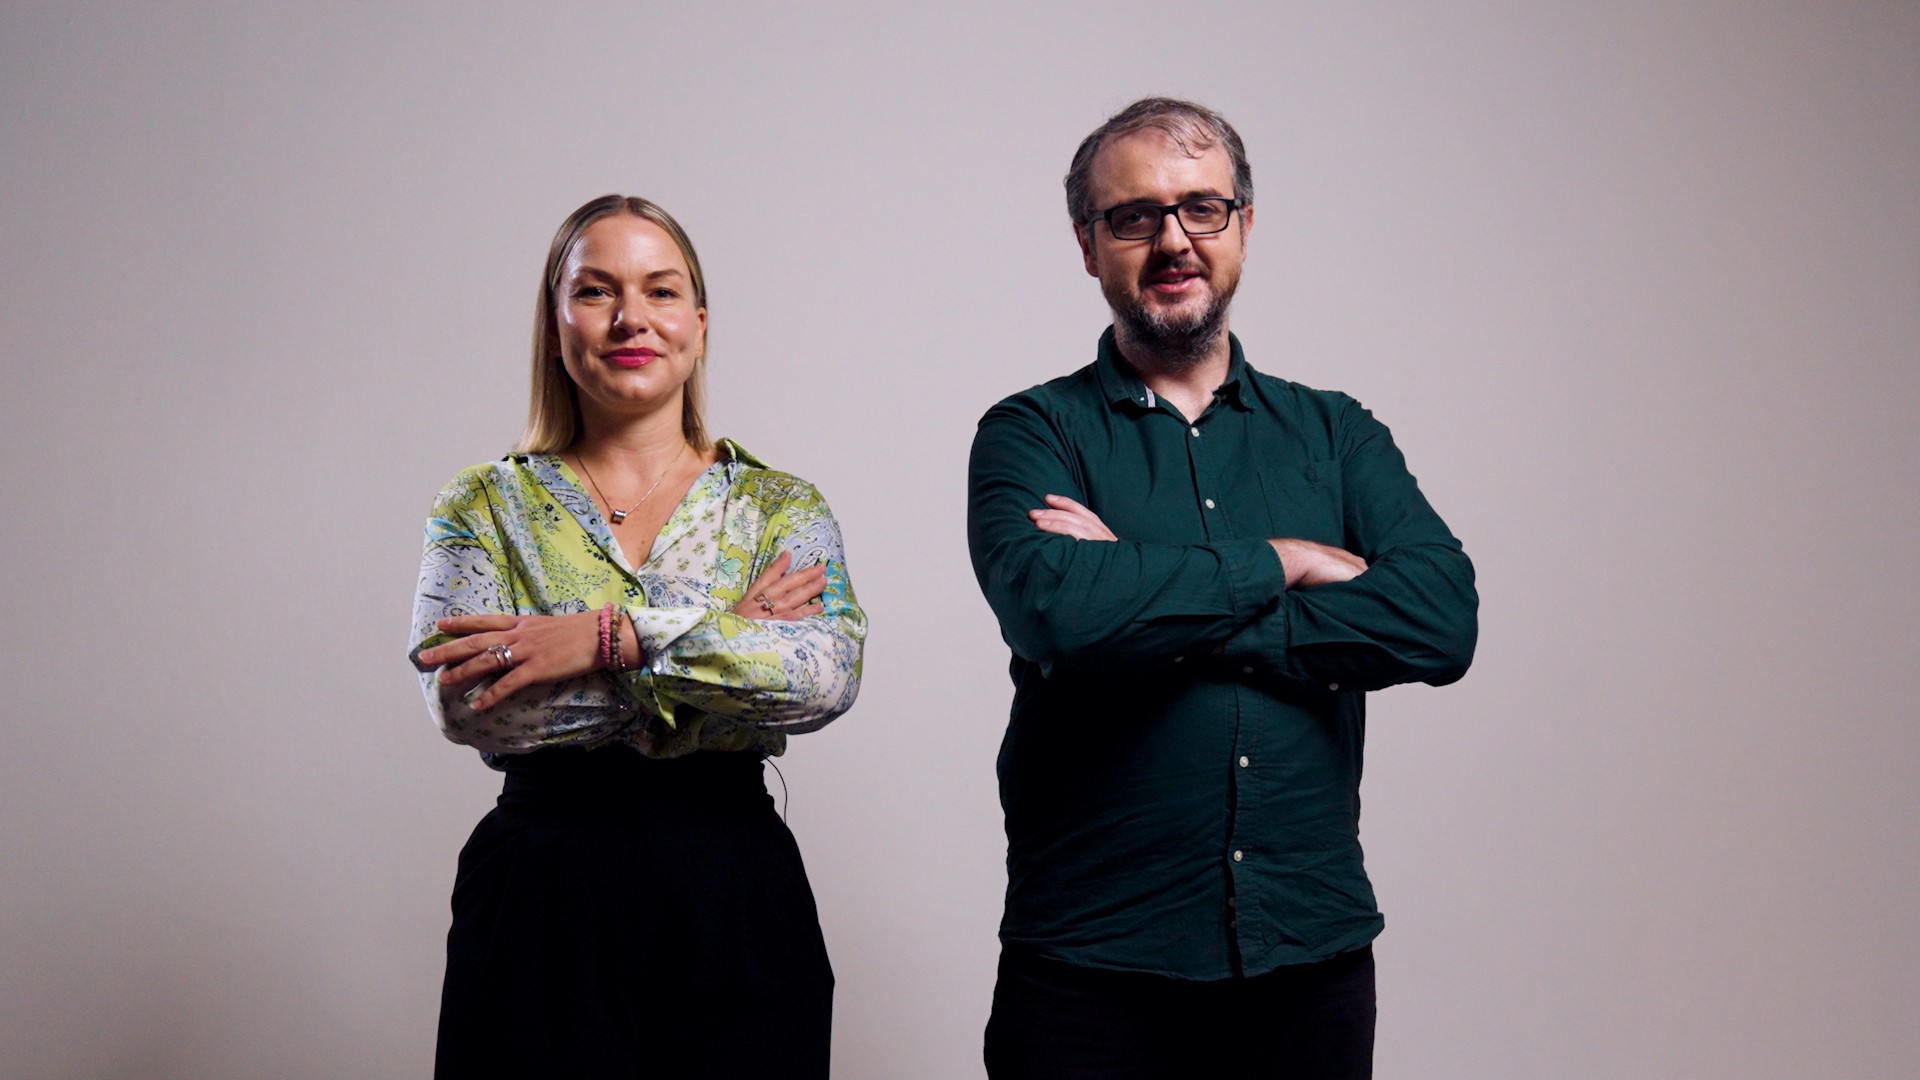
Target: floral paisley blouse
{"type": "Point", "coordinates": [519, 536]}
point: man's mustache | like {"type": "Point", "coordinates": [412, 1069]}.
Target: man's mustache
{"type": "Point", "coordinates": [1174, 266]}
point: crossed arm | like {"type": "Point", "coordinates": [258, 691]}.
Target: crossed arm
{"type": "Point", "coordinates": [783, 658]}
{"type": "Point", "coordinates": [1399, 607]}
{"type": "Point", "coordinates": [1306, 563]}
{"type": "Point", "coordinates": [550, 648]}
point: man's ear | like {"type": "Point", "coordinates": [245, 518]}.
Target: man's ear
{"type": "Point", "coordinates": [1084, 235]}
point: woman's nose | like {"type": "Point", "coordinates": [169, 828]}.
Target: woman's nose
{"type": "Point", "coordinates": [627, 319]}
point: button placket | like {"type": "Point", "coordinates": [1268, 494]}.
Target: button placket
{"type": "Point", "coordinates": [1194, 464]}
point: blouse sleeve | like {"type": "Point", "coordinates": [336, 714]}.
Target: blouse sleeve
{"type": "Point", "coordinates": [464, 570]}
{"type": "Point", "coordinates": [779, 675]}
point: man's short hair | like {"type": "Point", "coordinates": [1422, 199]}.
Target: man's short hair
{"type": "Point", "coordinates": [1195, 129]}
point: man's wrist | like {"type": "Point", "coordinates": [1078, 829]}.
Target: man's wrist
{"type": "Point", "coordinates": [1290, 569]}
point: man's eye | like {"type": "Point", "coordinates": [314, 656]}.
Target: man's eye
{"type": "Point", "coordinates": [1132, 216]}
{"type": "Point", "coordinates": [1203, 213]}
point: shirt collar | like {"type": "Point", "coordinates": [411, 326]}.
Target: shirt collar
{"type": "Point", "coordinates": [554, 474]}
{"type": "Point", "coordinates": [1119, 383]}
{"type": "Point", "coordinates": [733, 452]}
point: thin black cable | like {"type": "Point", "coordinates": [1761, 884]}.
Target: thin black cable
{"type": "Point", "coordinates": [783, 789]}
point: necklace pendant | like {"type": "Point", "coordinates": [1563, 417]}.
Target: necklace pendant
{"type": "Point", "coordinates": [619, 516]}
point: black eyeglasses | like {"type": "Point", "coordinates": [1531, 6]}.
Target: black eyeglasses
{"type": "Point", "coordinates": [1139, 221]}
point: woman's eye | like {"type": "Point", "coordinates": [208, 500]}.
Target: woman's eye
{"type": "Point", "coordinates": [589, 292]}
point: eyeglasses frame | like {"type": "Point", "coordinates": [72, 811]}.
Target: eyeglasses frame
{"type": "Point", "coordinates": [1234, 205]}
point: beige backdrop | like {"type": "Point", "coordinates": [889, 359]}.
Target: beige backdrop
{"type": "Point", "coordinates": [1635, 284]}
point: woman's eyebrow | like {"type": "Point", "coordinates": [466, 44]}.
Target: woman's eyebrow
{"type": "Point", "coordinates": [587, 268]}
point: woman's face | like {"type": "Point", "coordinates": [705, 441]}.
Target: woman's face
{"type": "Point", "coordinates": [629, 328]}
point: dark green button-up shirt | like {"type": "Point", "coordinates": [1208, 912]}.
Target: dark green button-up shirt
{"type": "Point", "coordinates": [1181, 775]}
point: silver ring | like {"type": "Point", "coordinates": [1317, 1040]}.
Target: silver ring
{"type": "Point", "coordinates": [503, 653]}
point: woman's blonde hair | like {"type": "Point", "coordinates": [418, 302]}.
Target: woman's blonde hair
{"type": "Point", "coordinates": [553, 411]}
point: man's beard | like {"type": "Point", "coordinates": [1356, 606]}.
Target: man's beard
{"type": "Point", "coordinates": [1176, 338]}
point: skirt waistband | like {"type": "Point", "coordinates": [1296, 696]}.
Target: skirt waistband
{"type": "Point", "coordinates": [620, 774]}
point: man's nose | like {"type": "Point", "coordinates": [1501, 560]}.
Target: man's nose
{"type": "Point", "coordinates": [1172, 237]}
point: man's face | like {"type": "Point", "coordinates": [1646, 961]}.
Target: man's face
{"type": "Point", "coordinates": [1170, 290]}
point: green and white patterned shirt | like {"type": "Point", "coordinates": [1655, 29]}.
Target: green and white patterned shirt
{"type": "Point", "coordinates": [519, 536]}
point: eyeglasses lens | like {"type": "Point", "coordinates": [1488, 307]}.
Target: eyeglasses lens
{"type": "Point", "coordinates": [1135, 222]}
{"type": "Point", "coordinates": [1203, 216]}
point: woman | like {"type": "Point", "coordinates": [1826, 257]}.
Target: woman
{"type": "Point", "coordinates": [627, 618]}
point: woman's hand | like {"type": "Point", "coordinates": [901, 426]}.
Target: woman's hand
{"type": "Point", "coordinates": [1069, 518]}
{"type": "Point", "coordinates": [779, 596]}
{"type": "Point", "coordinates": [548, 648]}
{"type": "Point", "coordinates": [538, 649]}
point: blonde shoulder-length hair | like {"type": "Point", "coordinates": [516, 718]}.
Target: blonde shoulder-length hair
{"type": "Point", "coordinates": [553, 410]}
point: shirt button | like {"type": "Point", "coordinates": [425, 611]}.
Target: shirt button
{"type": "Point", "coordinates": [1333, 686]}
{"type": "Point", "coordinates": [1195, 431]}
{"type": "Point", "coordinates": [1177, 659]}
{"type": "Point", "coordinates": [1238, 856]}
{"type": "Point", "coordinates": [1246, 671]}
{"type": "Point", "coordinates": [1209, 504]}
{"type": "Point", "coordinates": [1243, 761]}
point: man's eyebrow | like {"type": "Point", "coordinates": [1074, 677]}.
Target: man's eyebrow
{"type": "Point", "coordinates": [1191, 193]}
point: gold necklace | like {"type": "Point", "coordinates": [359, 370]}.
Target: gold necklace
{"type": "Point", "coordinates": [621, 515]}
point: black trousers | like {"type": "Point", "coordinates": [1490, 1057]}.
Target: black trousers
{"type": "Point", "coordinates": [616, 916]}
{"type": "Point", "coordinates": [1057, 1021]}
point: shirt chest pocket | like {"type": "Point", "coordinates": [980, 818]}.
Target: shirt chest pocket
{"type": "Point", "coordinates": [1304, 501]}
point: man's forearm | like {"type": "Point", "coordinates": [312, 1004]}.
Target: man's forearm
{"type": "Point", "coordinates": [1308, 564]}
{"type": "Point", "coordinates": [1411, 617]}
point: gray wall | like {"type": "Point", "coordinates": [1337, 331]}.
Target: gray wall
{"type": "Point", "coordinates": [1635, 284]}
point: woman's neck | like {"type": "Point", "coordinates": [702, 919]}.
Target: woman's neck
{"type": "Point", "coordinates": [644, 444]}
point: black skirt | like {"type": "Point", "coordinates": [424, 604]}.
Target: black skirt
{"type": "Point", "coordinates": [617, 916]}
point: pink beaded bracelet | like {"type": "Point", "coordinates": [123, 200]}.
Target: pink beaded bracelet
{"type": "Point", "coordinates": [609, 656]}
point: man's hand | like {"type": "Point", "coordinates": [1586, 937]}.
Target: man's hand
{"type": "Point", "coordinates": [1069, 518]}
{"type": "Point", "coordinates": [1308, 564]}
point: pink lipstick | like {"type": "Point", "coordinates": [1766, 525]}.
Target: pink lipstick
{"type": "Point", "coordinates": [632, 358]}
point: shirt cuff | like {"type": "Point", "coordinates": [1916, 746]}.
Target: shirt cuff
{"type": "Point", "coordinates": [657, 628]}
{"type": "Point", "coordinates": [1259, 586]}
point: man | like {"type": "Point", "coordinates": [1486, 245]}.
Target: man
{"type": "Point", "coordinates": [1201, 569]}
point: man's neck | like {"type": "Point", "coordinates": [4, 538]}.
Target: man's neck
{"type": "Point", "coordinates": [1187, 383]}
